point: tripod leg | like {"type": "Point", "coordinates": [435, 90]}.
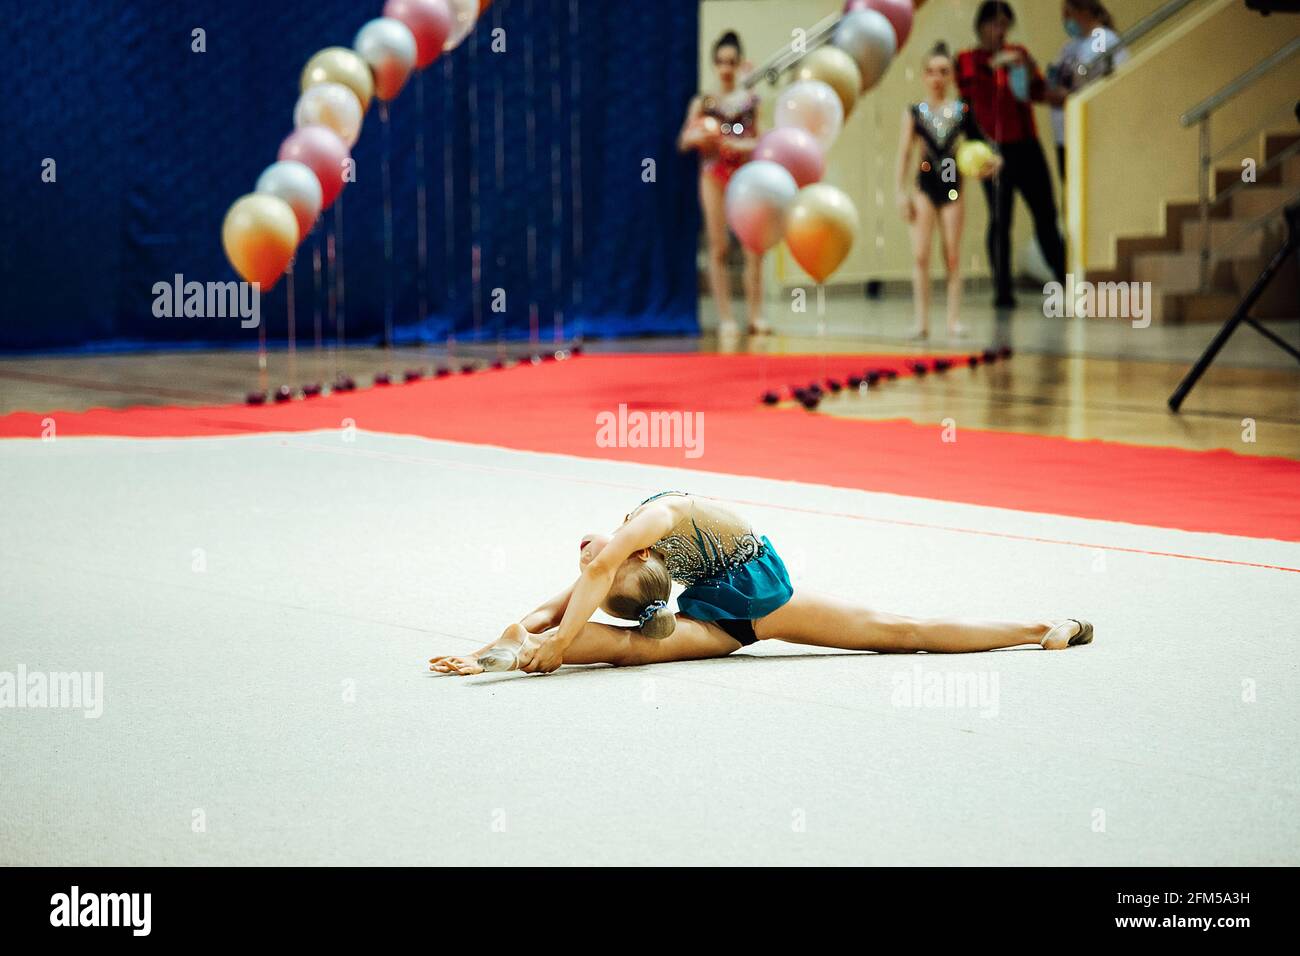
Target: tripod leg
{"type": "Point", "coordinates": [1240, 315]}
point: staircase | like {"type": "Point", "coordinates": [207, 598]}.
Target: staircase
{"type": "Point", "coordinates": [1171, 262]}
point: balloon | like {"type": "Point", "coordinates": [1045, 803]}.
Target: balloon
{"type": "Point", "coordinates": [298, 186]}
{"type": "Point", "coordinates": [320, 150]}
{"type": "Point", "coordinates": [430, 23]}
{"type": "Point", "coordinates": [259, 235]}
{"type": "Point", "coordinates": [333, 105]}
{"type": "Point", "coordinates": [338, 64]}
{"type": "Point", "coordinates": [388, 46]}
{"type": "Point", "coordinates": [464, 14]}
{"type": "Point", "coordinates": [813, 106]}
{"type": "Point", "coordinates": [867, 36]}
{"type": "Point", "coordinates": [972, 156]}
{"type": "Point", "coordinates": [836, 69]}
{"type": "Point", "coordinates": [796, 150]}
{"type": "Point", "coordinates": [897, 12]}
{"type": "Point", "coordinates": [820, 229]}
{"type": "Point", "coordinates": [758, 197]}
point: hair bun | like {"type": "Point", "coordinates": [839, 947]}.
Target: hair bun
{"type": "Point", "coordinates": [940, 49]}
{"type": "Point", "coordinates": [658, 621]}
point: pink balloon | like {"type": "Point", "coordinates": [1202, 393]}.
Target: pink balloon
{"type": "Point", "coordinates": [796, 150]}
{"type": "Point", "coordinates": [320, 150]}
{"type": "Point", "coordinates": [897, 12]}
{"type": "Point", "coordinates": [429, 20]}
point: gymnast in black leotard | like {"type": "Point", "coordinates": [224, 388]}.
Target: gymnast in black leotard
{"type": "Point", "coordinates": [938, 124]}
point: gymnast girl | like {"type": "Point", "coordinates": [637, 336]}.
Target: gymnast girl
{"type": "Point", "coordinates": [722, 128]}
{"type": "Point", "coordinates": [737, 592]}
{"type": "Point", "coordinates": [936, 123]}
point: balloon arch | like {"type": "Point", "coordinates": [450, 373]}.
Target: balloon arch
{"type": "Point", "coordinates": [777, 195]}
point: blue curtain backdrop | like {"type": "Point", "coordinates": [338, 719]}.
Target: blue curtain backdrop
{"type": "Point", "coordinates": [153, 142]}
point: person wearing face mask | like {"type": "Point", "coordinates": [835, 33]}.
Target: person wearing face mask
{"type": "Point", "coordinates": [1001, 82]}
{"type": "Point", "coordinates": [1091, 31]}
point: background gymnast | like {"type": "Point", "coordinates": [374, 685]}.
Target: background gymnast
{"type": "Point", "coordinates": [737, 592]}
{"type": "Point", "coordinates": [936, 195]}
{"type": "Point", "coordinates": [722, 127]}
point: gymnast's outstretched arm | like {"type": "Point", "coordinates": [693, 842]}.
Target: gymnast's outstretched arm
{"type": "Point", "coordinates": [599, 643]}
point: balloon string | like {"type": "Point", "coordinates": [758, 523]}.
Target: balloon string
{"type": "Point", "coordinates": [449, 202]}
{"type": "Point", "coordinates": [530, 91]}
{"type": "Point", "coordinates": [575, 153]}
{"type": "Point", "coordinates": [333, 293]}
{"type": "Point", "coordinates": [261, 352]}
{"type": "Point", "coordinates": [421, 202]}
{"type": "Point", "coordinates": [316, 300]}
{"type": "Point", "coordinates": [499, 135]}
{"type": "Point", "coordinates": [557, 213]}
{"type": "Point", "coordinates": [293, 324]}
{"type": "Point", "coordinates": [476, 249]}
{"type": "Point", "coordinates": [342, 303]}
{"type": "Point", "coordinates": [386, 175]}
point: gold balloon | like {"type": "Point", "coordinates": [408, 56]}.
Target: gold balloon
{"type": "Point", "coordinates": [820, 229]}
{"type": "Point", "coordinates": [837, 70]}
{"type": "Point", "coordinates": [338, 64]}
{"type": "Point", "coordinates": [260, 234]}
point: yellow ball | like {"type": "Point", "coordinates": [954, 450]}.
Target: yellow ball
{"type": "Point", "coordinates": [972, 156]}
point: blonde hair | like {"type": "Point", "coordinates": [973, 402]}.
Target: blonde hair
{"type": "Point", "coordinates": [640, 594]}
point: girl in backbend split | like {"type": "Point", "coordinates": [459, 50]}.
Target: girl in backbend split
{"type": "Point", "coordinates": [937, 124]}
{"type": "Point", "coordinates": [737, 592]}
{"type": "Point", "coordinates": [723, 128]}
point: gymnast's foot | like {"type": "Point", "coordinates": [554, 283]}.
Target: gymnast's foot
{"type": "Point", "coordinates": [1067, 633]}
{"type": "Point", "coordinates": [917, 333]}
{"type": "Point", "coordinates": [956, 330]}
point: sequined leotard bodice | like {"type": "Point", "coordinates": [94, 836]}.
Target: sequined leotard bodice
{"type": "Point", "coordinates": [708, 541]}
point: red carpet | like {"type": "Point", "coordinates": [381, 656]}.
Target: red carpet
{"type": "Point", "coordinates": [554, 408]}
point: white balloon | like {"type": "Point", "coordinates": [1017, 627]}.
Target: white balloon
{"type": "Point", "coordinates": [388, 45]}
{"type": "Point", "coordinates": [758, 197]}
{"type": "Point", "coordinates": [464, 14]}
{"type": "Point", "coordinates": [813, 106]}
{"type": "Point", "coordinates": [298, 186]}
{"type": "Point", "coordinates": [868, 37]}
{"type": "Point", "coordinates": [332, 105]}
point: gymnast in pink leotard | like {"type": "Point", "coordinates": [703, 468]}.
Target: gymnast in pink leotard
{"type": "Point", "coordinates": [722, 127]}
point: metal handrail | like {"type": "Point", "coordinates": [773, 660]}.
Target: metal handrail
{"type": "Point", "coordinates": [1200, 115]}
{"type": "Point", "coordinates": [1207, 106]}
{"type": "Point", "coordinates": [1278, 160]}
{"type": "Point", "coordinates": [786, 57]}
{"type": "Point", "coordinates": [1254, 225]}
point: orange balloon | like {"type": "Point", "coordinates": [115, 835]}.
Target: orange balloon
{"type": "Point", "coordinates": [260, 234]}
{"type": "Point", "coordinates": [820, 229]}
